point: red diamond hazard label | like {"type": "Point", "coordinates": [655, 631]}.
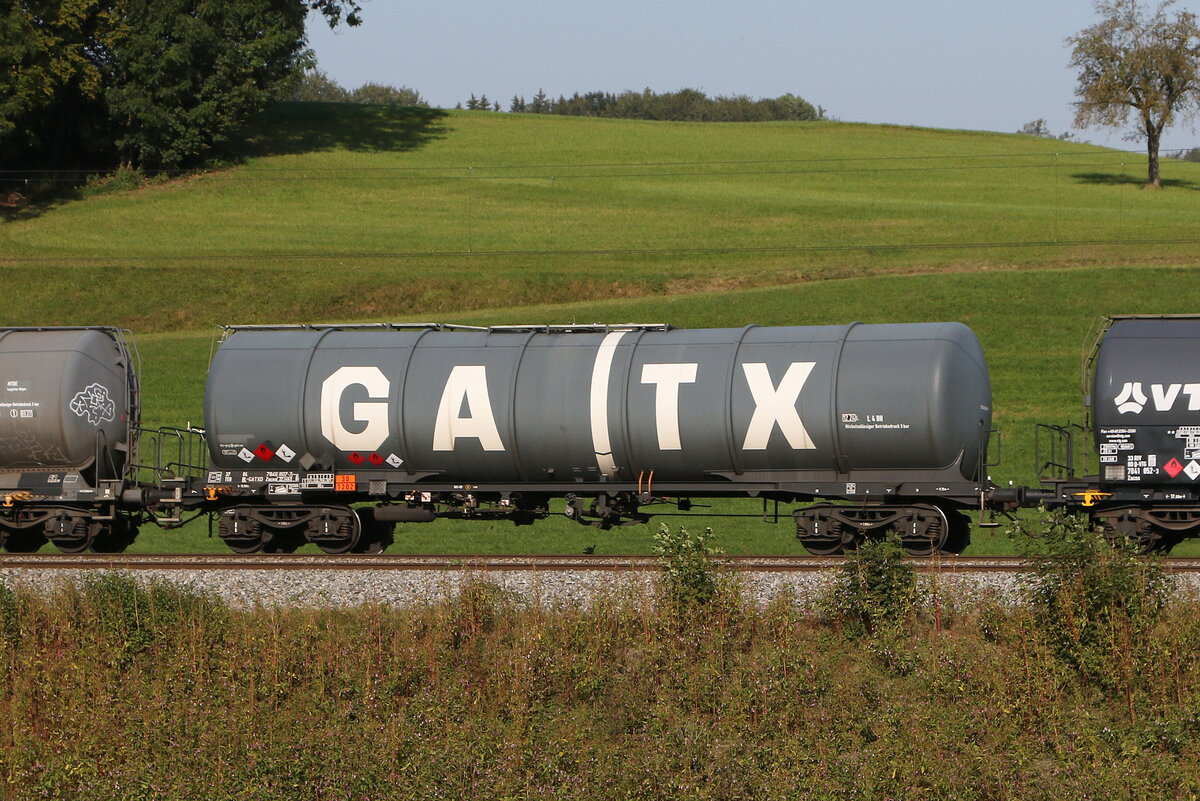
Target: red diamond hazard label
{"type": "Point", "coordinates": [264, 452]}
{"type": "Point", "coordinates": [355, 457]}
{"type": "Point", "coordinates": [1173, 468]}
{"type": "Point", "coordinates": [375, 459]}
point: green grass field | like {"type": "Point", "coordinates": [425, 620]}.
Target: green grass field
{"type": "Point", "coordinates": [351, 212]}
{"type": "Point", "coordinates": [346, 213]}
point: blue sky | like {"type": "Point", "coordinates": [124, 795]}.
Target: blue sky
{"type": "Point", "coordinates": [937, 63]}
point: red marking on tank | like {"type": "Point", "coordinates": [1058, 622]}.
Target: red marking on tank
{"type": "Point", "coordinates": [264, 452]}
{"type": "Point", "coordinates": [356, 457]}
{"type": "Point", "coordinates": [375, 459]}
{"type": "Point", "coordinates": [1173, 468]}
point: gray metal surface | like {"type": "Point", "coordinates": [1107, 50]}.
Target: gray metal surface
{"type": "Point", "coordinates": [526, 405]}
{"type": "Point", "coordinates": [65, 400]}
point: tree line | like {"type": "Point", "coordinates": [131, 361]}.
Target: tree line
{"type": "Point", "coordinates": [317, 87]}
{"type": "Point", "coordinates": [147, 84]}
{"type": "Point", "coordinates": [685, 105]}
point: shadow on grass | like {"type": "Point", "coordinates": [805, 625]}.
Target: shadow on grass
{"type": "Point", "coordinates": [1116, 179]}
{"type": "Point", "coordinates": [25, 201]}
{"type": "Point", "coordinates": [294, 128]}
{"type": "Point", "coordinates": [286, 129]}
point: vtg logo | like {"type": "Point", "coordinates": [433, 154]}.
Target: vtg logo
{"type": "Point", "coordinates": [1132, 399]}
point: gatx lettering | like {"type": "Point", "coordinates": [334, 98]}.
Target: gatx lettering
{"type": "Point", "coordinates": [465, 409]}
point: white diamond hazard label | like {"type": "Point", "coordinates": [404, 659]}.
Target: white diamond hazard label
{"type": "Point", "coordinates": [1192, 470]}
{"type": "Point", "coordinates": [396, 461]}
{"type": "Point", "coordinates": [246, 455]}
{"type": "Point", "coordinates": [285, 453]}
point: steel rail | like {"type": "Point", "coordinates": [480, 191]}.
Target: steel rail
{"type": "Point", "coordinates": [492, 562]}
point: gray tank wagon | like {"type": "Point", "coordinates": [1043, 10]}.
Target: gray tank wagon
{"type": "Point", "coordinates": [69, 411]}
{"type": "Point", "coordinates": [1141, 380]}
{"type": "Point", "coordinates": [872, 427]}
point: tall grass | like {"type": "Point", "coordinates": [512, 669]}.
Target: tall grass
{"type": "Point", "coordinates": [113, 691]}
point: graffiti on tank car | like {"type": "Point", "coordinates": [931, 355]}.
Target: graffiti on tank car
{"type": "Point", "coordinates": [94, 404]}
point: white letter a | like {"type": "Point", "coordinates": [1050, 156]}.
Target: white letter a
{"type": "Point", "coordinates": [466, 382]}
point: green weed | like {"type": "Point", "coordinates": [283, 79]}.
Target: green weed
{"type": "Point", "coordinates": [1098, 603]}
{"type": "Point", "coordinates": [688, 565]}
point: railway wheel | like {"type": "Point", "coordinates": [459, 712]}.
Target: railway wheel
{"type": "Point", "coordinates": [23, 540]}
{"type": "Point", "coordinates": [114, 537]}
{"type": "Point", "coordinates": [243, 535]}
{"type": "Point", "coordinates": [1120, 527]}
{"type": "Point", "coordinates": [923, 531]}
{"type": "Point", "coordinates": [335, 531]}
{"type": "Point", "coordinates": [72, 534]}
{"type": "Point", "coordinates": [960, 533]}
{"type": "Point", "coordinates": [820, 534]}
{"type": "Point", "coordinates": [376, 535]}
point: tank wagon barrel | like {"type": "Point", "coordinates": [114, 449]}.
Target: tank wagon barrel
{"type": "Point", "coordinates": [494, 422]}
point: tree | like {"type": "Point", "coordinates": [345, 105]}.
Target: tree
{"type": "Point", "coordinates": [1139, 62]}
{"type": "Point", "coordinates": [189, 74]}
{"type": "Point", "coordinates": [54, 56]}
{"type": "Point", "coordinates": [315, 86]}
{"type": "Point", "coordinates": [160, 82]}
{"type": "Point", "coordinates": [377, 94]}
{"type": "Point", "coordinates": [1040, 129]}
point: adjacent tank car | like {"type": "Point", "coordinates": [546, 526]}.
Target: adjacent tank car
{"type": "Point", "coordinates": [69, 411]}
{"type": "Point", "coordinates": [1141, 384]}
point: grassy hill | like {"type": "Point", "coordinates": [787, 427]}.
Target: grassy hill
{"type": "Point", "coordinates": [347, 213]}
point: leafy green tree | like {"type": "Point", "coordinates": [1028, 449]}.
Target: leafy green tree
{"type": "Point", "coordinates": [1133, 61]}
{"type": "Point", "coordinates": [55, 55]}
{"type": "Point", "coordinates": [315, 86]}
{"type": "Point", "coordinates": [160, 83]}
{"type": "Point", "coordinates": [378, 94]}
{"type": "Point", "coordinates": [190, 73]}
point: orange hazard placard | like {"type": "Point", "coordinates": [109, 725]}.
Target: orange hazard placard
{"type": "Point", "coordinates": [345, 483]}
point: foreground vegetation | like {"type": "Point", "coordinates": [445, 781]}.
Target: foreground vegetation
{"type": "Point", "coordinates": [111, 690]}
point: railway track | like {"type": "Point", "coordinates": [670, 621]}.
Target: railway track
{"type": "Point", "coordinates": [489, 562]}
